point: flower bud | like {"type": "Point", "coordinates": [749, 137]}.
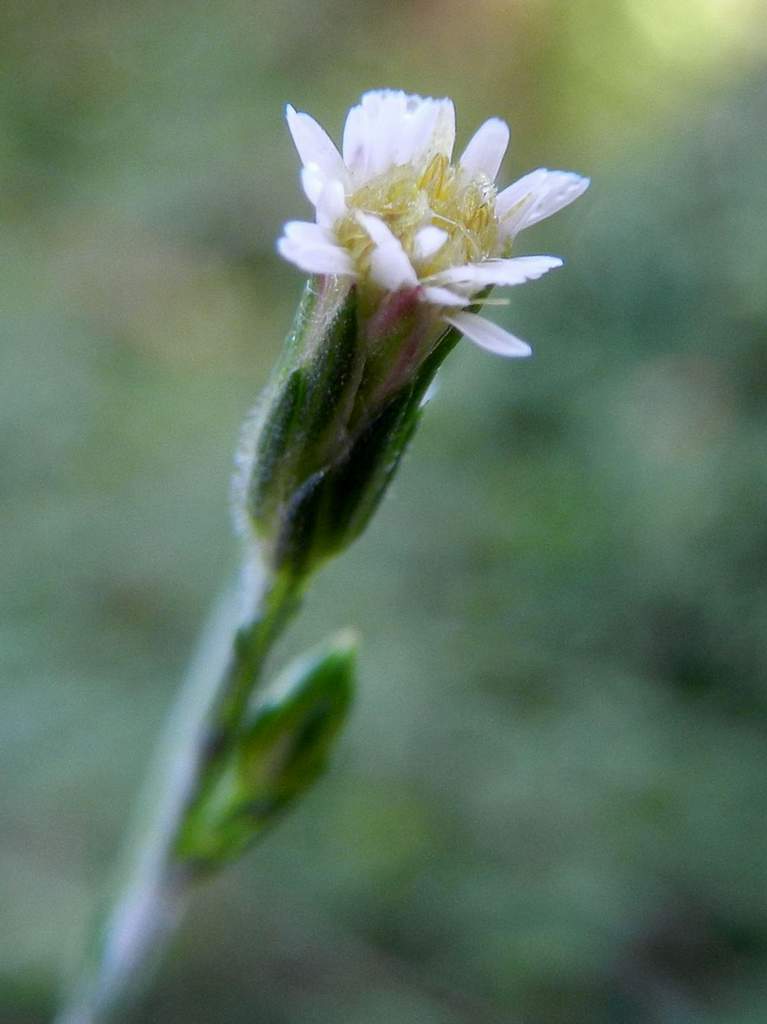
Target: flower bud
{"type": "Point", "coordinates": [332, 428]}
{"type": "Point", "coordinates": [281, 751]}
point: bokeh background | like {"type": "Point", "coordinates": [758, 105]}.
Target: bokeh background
{"type": "Point", "coordinates": [550, 806]}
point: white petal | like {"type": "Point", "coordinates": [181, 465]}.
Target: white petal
{"type": "Point", "coordinates": [427, 241]}
{"type": "Point", "coordinates": [355, 139]}
{"type": "Point", "coordinates": [502, 272]}
{"type": "Point", "coordinates": [320, 258]}
{"type": "Point", "coordinates": [486, 149]}
{"type": "Point", "coordinates": [389, 128]}
{"type": "Point", "coordinates": [307, 233]}
{"type": "Point", "coordinates": [312, 181]}
{"type": "Point", "coordinates": [427, 128]}
{"type": "Point", "coordinates": [313, 144]}
{"type": "Point", "coordinates": [443, 137]}
{"type": "Point", "coordinates": [389, 265]}
{"type": "Point", "coordinates": [443, 297]}
{"type": "Point", "coordinates": [371, 133]}
{"type": "Point", "coordinates": [488, 335]}
{"type": "Point", "coordinates": [385, 112]}
{"type": "Point", "coordinates": [331, 203]}
{"type": "Point", "coordinates": [415, 132]}
{"type": "Point", "coordinates": [512, 223]}
{"type": "Point", "coordinates": [528, 185]}
{"type": "Point", "coordinates": [550, 192]}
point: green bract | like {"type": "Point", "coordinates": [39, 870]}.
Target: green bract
{"type": "Point", "coordinates": [335, 421]}
{"type": "Point", "coordinates": [282, 748]}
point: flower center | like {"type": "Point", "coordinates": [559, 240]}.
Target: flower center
{"type": "Point", "coordinates": [408, 199]}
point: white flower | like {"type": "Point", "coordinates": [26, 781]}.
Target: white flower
{"type": "Point", "coordinates": [394, 212]}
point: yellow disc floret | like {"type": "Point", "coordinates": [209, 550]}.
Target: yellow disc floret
{"type": "Point", "coordinates": [408, 198]}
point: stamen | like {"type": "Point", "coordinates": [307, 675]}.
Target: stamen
{"type": "Point", "coordinates": [447, 220]}
{"type": "Point", "coordinates": [479, 220]}
{"type": "Point", "coordinates": [433, 177]}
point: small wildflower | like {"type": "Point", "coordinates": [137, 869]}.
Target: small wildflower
{"type": "Point", "coordinates": [404, 250]}
{"type": "Point", "coordinates": [396, 215]}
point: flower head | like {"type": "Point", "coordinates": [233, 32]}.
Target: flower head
{"type": "Point", "coordinates": [397, 215]}
{"type": "Point", "coordinates": [404, 249]}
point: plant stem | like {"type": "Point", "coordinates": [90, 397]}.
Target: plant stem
{"type": "Point", "coordinates": [156, 883]}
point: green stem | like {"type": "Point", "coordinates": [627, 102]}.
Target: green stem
{"type": "Point", "coordinates": [156, 882]}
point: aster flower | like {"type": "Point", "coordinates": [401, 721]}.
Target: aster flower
{"type": "Point", "coordinates": [395, 215]}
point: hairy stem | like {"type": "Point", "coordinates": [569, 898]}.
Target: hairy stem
{"type": "Point", "coordinates": [156, 882]}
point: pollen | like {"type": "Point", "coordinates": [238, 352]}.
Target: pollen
{"type": "Point", "coordinates": [409, 198]}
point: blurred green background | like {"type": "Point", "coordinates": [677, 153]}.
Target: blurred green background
{"type": "Point", "coordinates": [551, 804]}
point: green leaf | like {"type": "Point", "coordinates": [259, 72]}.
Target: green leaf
{"type": "Point", "coordinates": [277, 757]}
